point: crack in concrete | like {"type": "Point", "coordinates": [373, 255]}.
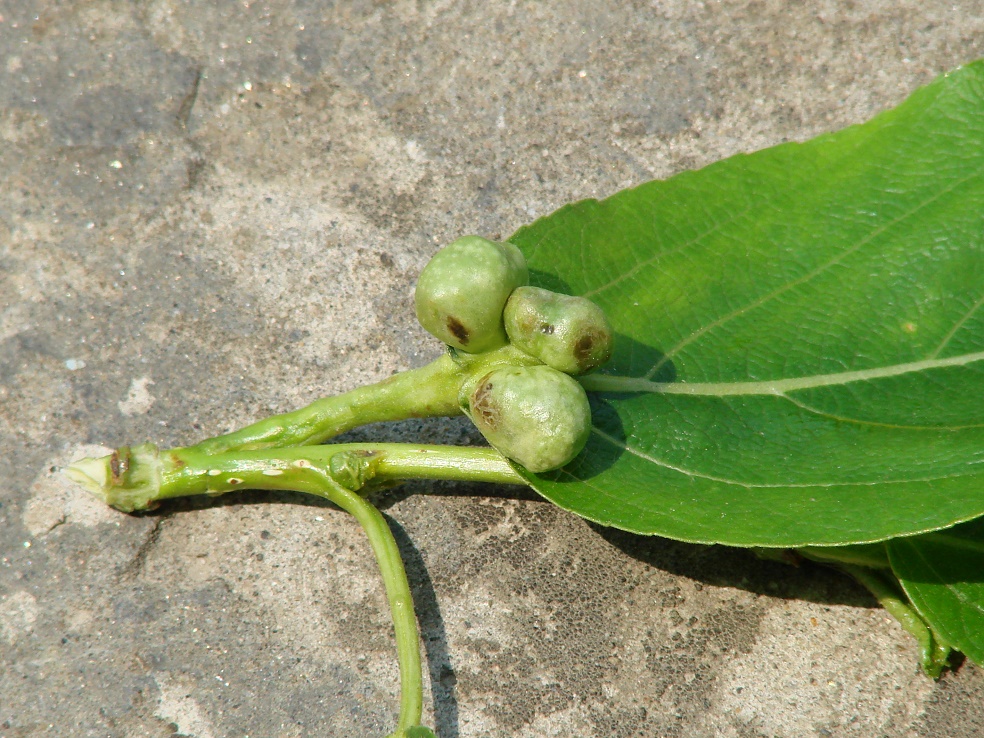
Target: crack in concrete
{"type": "Point", "coordinates": [188, 101]}
{"type": "Point", "coordinates": [135, 567]}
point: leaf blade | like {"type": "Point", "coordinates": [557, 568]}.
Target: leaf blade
{"type": "Point", "coordinates": [942, 575]}
{"type": "Point", "coordinates": [773, 308]}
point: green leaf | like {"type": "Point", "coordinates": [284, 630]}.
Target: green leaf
{"type": "Point", "coordinates": [943, 575]}
{"type": "Point", "coordinates": [800, 335]}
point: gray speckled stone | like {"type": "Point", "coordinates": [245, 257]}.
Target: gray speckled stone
{"type": "Point", "coordinates": [210, 212]}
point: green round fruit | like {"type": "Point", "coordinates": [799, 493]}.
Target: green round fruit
{"type": "Point", "coordinates": [569, 333]}
{"type": "Point", "coordinates": [534, 415]}
{"type": "Point", "coordinates": [463, 289]}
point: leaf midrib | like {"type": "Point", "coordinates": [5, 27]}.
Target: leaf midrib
{"type": "Point", "coordinates": [775, 387]}
{"type": "Point", "coordinates": [769, 485]}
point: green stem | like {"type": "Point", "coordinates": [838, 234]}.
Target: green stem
{"type": "Point", "coordinates": [138, 478]}
{"type": "Point", "coordinates": [933, 651]}
{"type": "Point", "coordinates": [279, 453]}
{"type": "Point", "coordinates": [189, 471]}
{"type": "Point", "coordinates": [397, 592]}
{"type": "Point", "coordinates": [870, 567]}
{"type": "Point", "coordinates": [872, 555]}
{"type": "Point", "coordinates": [429, 391]}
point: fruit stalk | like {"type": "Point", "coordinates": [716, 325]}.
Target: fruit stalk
{"type": "Point", "coordinates": [430, 391]}
{"type": "Point", "coordinates": [138, 478]}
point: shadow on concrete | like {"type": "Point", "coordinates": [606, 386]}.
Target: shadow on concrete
{"type": "Point", "coordinates": [718, 566]}
{"type": "Point", "coordinates": [727, 566]}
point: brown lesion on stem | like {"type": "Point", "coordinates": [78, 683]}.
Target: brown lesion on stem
{"type": "Point", "coordinates": [119, 463]}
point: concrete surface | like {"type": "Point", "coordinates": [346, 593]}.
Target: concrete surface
{"type": "Point", "coordinates": [211, 211]}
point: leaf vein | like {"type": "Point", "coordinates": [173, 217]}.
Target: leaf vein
{"type": "Point", "coordinates": [956, 328]}
{"type": "Point", "coordinates": [762, 485]}
{"type": "Point", "coordinates": [663, 254]}
{"type": "Point", "coordinates": [768, 297]}
{"type": "Point", "coordinates": [858, 421]}
{"type": "Point", "coordinates": [961, 597]}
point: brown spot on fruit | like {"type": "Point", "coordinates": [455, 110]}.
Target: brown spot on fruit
{"type": "Point", "coordinates": [457, 330]}
{"type": "Point", "coordinates": [484, 410]}
{"type": "Point", "coordinates": [583, 347]}
{"type": "Point", "coordinates": [592, 349]}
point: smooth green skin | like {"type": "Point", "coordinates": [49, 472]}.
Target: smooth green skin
{"type": "Point", "coordinates": [803, 336]}
{"type": "Point", "coordinates": [569, 333]}
{"type": "Point", "coordinates": [534, 415]}
{"type": "Point", "coordinates": [417, 731]}
{"type": "Point", "coordinates": [463, 288]}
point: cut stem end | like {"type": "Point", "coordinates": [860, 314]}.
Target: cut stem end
{"type": "Point", "coordinates": [128, 479]}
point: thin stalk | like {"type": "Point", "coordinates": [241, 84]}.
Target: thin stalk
{"type": "Point", "coordinates": [871, 555]}
{"type": "Point", "coordinates": [397, 586]}
{"type": "Point", "coordinates": [188, 471]}
{"type": "Point", "coordinates": [934, 651]}
{"type": "Point", "coordinates": [317, 481]}
{"type": "Point", "coordinates": [429, 391]}
{"type": "Point", "coordinates": [138, 478]}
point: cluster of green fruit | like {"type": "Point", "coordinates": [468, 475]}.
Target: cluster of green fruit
{"type": "Point", "coordinates": [520, 347]}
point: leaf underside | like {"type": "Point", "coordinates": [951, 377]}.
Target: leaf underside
{"type": "Point", "coordinates": [943, 575]}
{"type": "Point", "coordinates": [800, 336]}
